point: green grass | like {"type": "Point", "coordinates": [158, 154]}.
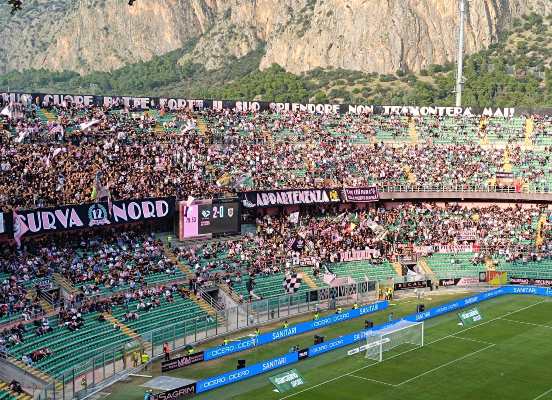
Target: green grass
{"type": "Point", "coordinates": [507, 356]}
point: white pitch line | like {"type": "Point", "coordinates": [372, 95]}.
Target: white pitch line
{"type": "Point", "coordinates": [471, 340]}
{"type": "Point", "coordinates": [372, 380]}
{"type": "Point", "coordinates": [446, 364]}
{"type": "Point", "coordinates": [408, 351]}
{"type": "Point", "coordinates": [540, 396]}
{"type": "Point", "coordinates": [526, 323]}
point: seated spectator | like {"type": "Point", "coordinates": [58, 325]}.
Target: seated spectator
{"type": "Point", "coordinates": [15, 386]}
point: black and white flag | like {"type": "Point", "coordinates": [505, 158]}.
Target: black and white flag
{"type": "Point", "coordinates": [292, 283]}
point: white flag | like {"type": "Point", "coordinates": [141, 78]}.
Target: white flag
{"type": "Point", "coordinates": [190, 201]}
{"type": "Point", "coordinates": [294, 217]}
{"type": "Point", "coordinates": [86, 125]}
{"type": "Point", "coordinates": [56, 152]}
{"type": "Point", "coordinates": [6, 111]}
{"type": "Point", "coordinates": [188, 204]}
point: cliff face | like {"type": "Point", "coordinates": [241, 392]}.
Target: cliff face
{"type": "Point", "coordinates": [98, 35]}
{"type": "Point", "coordinates": [366, 35]}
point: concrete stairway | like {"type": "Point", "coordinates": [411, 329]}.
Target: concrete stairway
{"type": "Point", "coordinates": [65, 284]}
{"type": "Point", "coordinates": [23, 396]}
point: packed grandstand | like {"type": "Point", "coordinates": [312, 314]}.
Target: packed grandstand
{"type": "Point", "coordinates": [108, 252]}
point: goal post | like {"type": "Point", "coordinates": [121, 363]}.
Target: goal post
{"type": "Point", "coordinates": [401, 333]}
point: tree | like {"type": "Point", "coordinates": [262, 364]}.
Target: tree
{"type": "Point", "coordinates": [15, 5]}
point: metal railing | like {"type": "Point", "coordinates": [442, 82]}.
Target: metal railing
{"type": "Point", "coordinates": [111, 363]}
{"type": "Point", "coordinates": [479, 188]}
{"type": "Point", "coordinates": [213, 303]}
{"type": "Point", "coordinates": [47, 297]}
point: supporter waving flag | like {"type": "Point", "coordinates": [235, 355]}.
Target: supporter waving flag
{"type": "Point", "coordinates": [6, 111]}
{"type": "Point", "coordinates": [19, 228]}
{"type": "Point", "coordinates": [292, 283]}
{"type": "Point", "coordinates": [294, 217]}
{"type": "Point", "coordinates": [88, 124]}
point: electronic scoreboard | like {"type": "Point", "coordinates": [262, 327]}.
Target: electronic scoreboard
{"type": "Point", "coordinates": [205, 218]}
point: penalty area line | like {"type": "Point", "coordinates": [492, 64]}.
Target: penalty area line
{"type": "Point", "coordinates": [471, 340]}
{"type": "Point", "coordinates": [540, 396]}
{"type": "Point", "coordinates": [372, 380]}
{"type": "Point", "coordinates": [526, 323]}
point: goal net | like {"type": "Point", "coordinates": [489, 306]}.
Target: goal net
{"type": "Point", "coordinates": [403, 333]}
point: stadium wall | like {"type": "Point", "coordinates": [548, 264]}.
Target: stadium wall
{"type": "Point", "coordinates": [298, 329]}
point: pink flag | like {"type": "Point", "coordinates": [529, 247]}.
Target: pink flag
{"type": "Point", "coordinates": [19, 228]}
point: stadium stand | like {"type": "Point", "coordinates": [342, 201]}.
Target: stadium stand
{"type": "Point", "coordinates": [12, 391]}
{"type": "Point", "coordinates": [286, 150]}
{"type": "Point", "coordinates": [118, 285]}
{"type": "Point", "coordinates": [458, 265]}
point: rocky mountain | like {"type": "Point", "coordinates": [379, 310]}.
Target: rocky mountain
{"type": "Point", "coordinates": [300, 35]}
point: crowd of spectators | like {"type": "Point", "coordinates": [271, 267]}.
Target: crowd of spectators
{"type": "Point", "coordinates": [315, 236]}
{"type": "Point", "coordinates": [72, 312]}
{"type": "Point", "coordinates": [95, 262]}
{"type": "Point", "coordinates": [112, 261]}
{"type": "Point", "coordinates": [104, 263]}
{"type": "Point", "coordinates": [15, 302]}
{"type": "Point", "coordinates": [158, 154]}
{"type": "Point", "coordinates": [151, 154]}
{"type": "Point", "coordinates": [319, 235]}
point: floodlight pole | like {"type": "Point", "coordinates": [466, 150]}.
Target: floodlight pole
{"type": "Point", "coordinates": [460, 57]}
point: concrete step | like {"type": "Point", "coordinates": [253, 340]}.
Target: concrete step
{"type": "Point", "coordinates": [65, 284]}
{"type": "Point", "coordinates": [233, 295]}
{"type": "Point", "coordinates": [31, 370]}
{"type": "Point", "coordinates": [47, 307]}
{"type": "Point", "coordinates": [125, 329]}
{"type": "Point", "coordinates": [308, 280]}
{"type": "Point", "coordinates": [6, 388]}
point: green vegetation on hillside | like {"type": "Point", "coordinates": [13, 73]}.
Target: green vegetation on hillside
{"type": "Point", "coordinates": [514, 71]}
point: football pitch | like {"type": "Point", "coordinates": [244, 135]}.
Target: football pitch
{"type": "Point", "coordinates": [507, 355]}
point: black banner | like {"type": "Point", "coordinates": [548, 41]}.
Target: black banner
{"type": "Point", "coordinates": [482, 277]}
{"type": "Point", "coordinates": [347, 290]}
{"type": "Point", "coordinates": [182, 362]}
{"type": "Point", "coordinates": [412, 285]}
{"type": "Point", "coordinates": [449, 282]}
{"type": "Point", "coordinates": [65, 218]}
{"type": "Point", "coordinates": [275, 198]}
{"type": "Point", "coordinates": [504, 178]}
{"type": "Point", "coordinates": [531, 281]}
{"type": "Point", "coordinates": [361, 195]}
{"type": "Point", "coordinates": [297, 244]}
{"type": "Point", "coordinates": [504, 175]}
{"type": "Point", "coordinates": [171, 103]}
{"type": "Point", "coordinates": [175, 394]}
